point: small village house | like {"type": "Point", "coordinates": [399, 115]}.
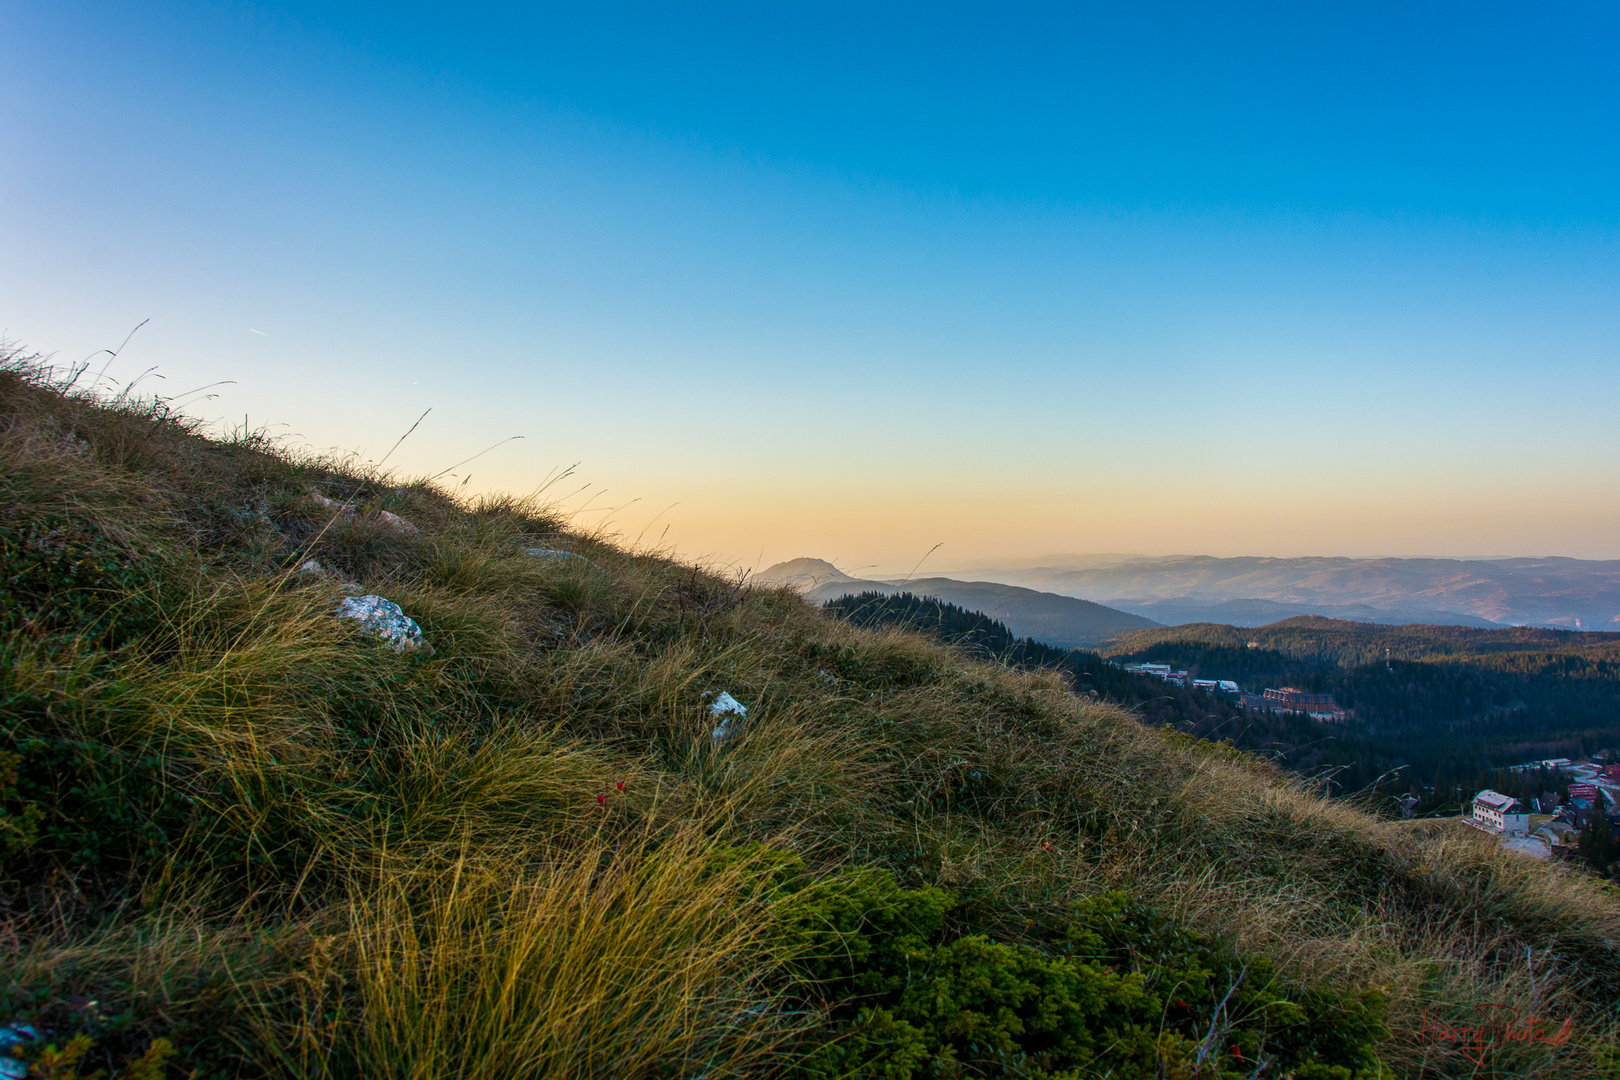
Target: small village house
{"type": "Point", "coordinates": [1501, 814]}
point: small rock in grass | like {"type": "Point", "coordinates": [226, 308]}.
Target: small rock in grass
{"type": "Point", "coordinates": [346, 509]}
{"type": "Point", "coordinates": [397, 523]}
{"type": "Point", "coordinates": [351, 511]}
{"type": "Point", "coordinates": [731, 713]}
{"type": "Point", "coordinates": [312, 568]}
{"type": "Point", "coordinates": [560, 556]}
{"type": "Point", "coordinates": [385, 619]}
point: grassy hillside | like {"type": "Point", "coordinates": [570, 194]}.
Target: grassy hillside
{"type": "Point", "coordinates": [1150, 700]}
{"type": "Point", "coordinates": [242, 837]}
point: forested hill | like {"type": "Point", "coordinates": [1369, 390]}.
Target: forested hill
{"type": "Point", "coordinates": [1064, 621]}
{"type": "Point", "coordinates": [1349, 644]}
{"type": "Point", "coordinates": [1449, 707]}
{"type": "Point", "coordinates": [939, 619]}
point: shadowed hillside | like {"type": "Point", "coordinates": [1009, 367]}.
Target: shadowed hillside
{"type": "Point", "coordinates": [245, 836]}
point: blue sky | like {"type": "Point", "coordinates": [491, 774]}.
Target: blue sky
{"type": "Point", "coordinates": [851, 281]}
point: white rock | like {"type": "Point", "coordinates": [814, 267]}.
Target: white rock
{"type": "Point", "coordinates": [347, 510]}
{"type": "Point", "coordinates": [386, 620]}
{"type": "Point", "coordinates": [731, 713]}
{"type": "Point", "coordinates": [553, 553]}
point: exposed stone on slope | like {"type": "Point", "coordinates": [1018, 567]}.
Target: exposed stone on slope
{"type": "Point", "coordinates": [731, 713]}
{"type": "Point", "coordinates": [351, 512]}
{"type": "Point", "coordinates": [386, 620]}
{"type": "Point", "coordinates": [560, 556]}
{"type": "Point", "coordinates": [315, 570]}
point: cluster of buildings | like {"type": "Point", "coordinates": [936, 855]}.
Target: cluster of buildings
{"type": "Point", "coordinates": [1585, 772]}
{"type": "Point", "coordinates": [1287, 699]}
{"type": "Point", "coordinates": [1179, 678]}
{"type": "Point", "coordinates": [1293, 699]}
{"type": "Point", "coordinates": [1594, 794]}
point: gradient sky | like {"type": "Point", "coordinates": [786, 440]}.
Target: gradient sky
{"type": "Point", "coordinates": [853, 280]}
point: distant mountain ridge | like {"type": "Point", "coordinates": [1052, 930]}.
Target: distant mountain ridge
{"type": "Point", "coordinates": [1063, 621]}
{"type": "Point", "coordinates": [1563, 593]}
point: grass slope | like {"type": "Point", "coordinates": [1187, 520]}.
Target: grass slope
{"type": "Point", "coordinates": [238, 829]}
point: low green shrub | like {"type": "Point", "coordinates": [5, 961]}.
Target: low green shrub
{"type": "Point", "coordinates": [68, 1062]}
{"type": "Point", "coordinates": [1116, 990]}
{"type": "Point", "coordinates": [63, 583]}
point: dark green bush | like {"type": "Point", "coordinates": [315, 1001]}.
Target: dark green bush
{"type": "Point", "coordinates": [73, 600]}
{"type": "Point", "coordinates": [63, 582]}
{"type": "Point", "coordinates": [1117, 991]}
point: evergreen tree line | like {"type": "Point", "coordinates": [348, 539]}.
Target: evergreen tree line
{"type": "Point", "coordinates": [1436, 724]}
{"type": "Point", "coordinates": [1352, 644]}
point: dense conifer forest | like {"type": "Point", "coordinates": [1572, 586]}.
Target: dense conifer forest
{"type": "Point", "coordinates": [1447, 708]}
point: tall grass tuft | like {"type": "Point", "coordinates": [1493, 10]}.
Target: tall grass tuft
{"type": "Point", "coordinates": [627, 959]}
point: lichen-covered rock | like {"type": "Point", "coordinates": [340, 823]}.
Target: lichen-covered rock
{"type": "Point", "coordinates": [386, 620]}
{"type": "Point", "coordinates": [553, 553]}
{"type": "Point", "coordinates": [731, 713]}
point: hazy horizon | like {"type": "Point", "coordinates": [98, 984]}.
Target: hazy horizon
{"type": "Point", "coordinates": [858, 281]}
{"type": "Point", "coordinates": [933, 568]}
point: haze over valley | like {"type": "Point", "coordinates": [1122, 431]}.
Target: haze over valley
{"type": "Point", "coordinates": [1562, 593]}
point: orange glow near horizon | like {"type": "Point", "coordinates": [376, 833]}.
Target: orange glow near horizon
{"type": "Point", "coordinates": [885, 530]}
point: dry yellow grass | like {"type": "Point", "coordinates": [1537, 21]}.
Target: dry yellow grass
{"type": "Point", "coordinates": [618, 959]}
